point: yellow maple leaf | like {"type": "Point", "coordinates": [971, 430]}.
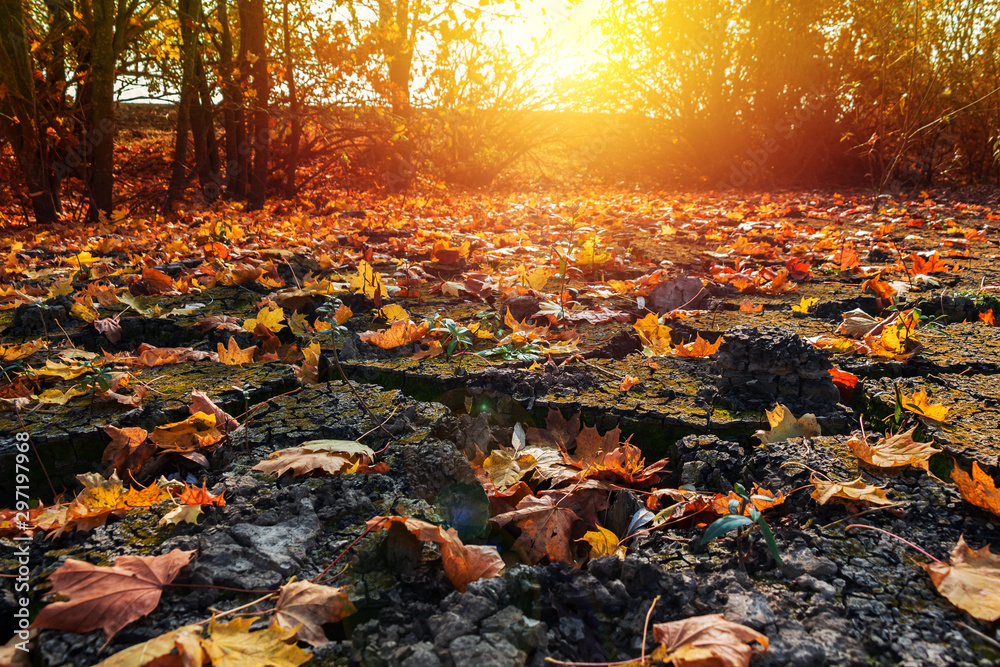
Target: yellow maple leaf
{"type": "Point", "coordinates": [655, 337]}
{"type": "Point", "coordinates": [233, 645]}
{"type": "Point", "coordinates": [784, 425]}
{"type": "Point", "coordinates": [392, 312]}
{"type": "Point", "coordinates": [920, 405]}
{"type": "Point", "coordinates": [805, 304]}
{"type": "Point", "coordinates": [367, 281]}
{"type": "Point", "coordinates": [271, 319]}
{"type": "Point", "coordinates": [232, 355]}
{"type": "Point", "coordinates": [15, 352]}
{"type": "Point", "coordinates": [195, 432]}
{"type": "Point", "coordinates": [399, 333]}
{"type": "Point", "coordinates": [603, 543]}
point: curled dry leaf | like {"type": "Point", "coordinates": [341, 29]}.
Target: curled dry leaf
{"type": "Point", "coordinates": [708, 641]}
{"type": "Point", "coordinates": [971, 581]}
{"type": "Point", "coordinates": [894, 451]}
{"type": "Point", "coordinates": [463, 563]}
{"type": "Point", "coordinates": [784, 425]}
{"type": "Point", "coordinates": [400, 332]}
{"type": "Point", "coordinates": [304, 607]}
{"type": "Point", "coordinates": [979, 489]}
{"type": "Point", "coordinates": [109, 597]}
{"type": "Point", "coordinates": [853, 491]}
{"type": "Point", "coordinates": [200, 402]}
{"type": "Point", "coordinates": [184, 639]}
{"type": "Point", "coordinates": [328, 456]}
{"type": "Point", "coordinates": [196, 432]}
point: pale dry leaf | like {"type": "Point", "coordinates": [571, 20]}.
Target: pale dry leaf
{"type": "Point", "coordinates": [855, 490]}
{"type": "Point", "coordinates": [304, 607]}
{"type": "Point", "coordinates": [971, 581]}
{"type": "Point", "coordinates": [784, 425]}
{"type": "Point", "coordinates": [717, 642]}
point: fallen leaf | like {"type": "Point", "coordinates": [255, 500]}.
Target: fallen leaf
{"type": "Point", "coordinates": [979, 489]}
{"type": "Point", "coordinates": [233, 645]}
{"type": "Point", "coordinates": [856, 323]}
{"type": "Point", "coordinates": [894, 451]}
{"type": "Point", "coordinates": [506, 468]}
{"type": "Point", "coordinates": [971, 581]}
{"type": "Point", "coordinates": [110, 327]}
{"type": "Point", "coordinates": [805, 304]}
{"type": "Point", "coordinates": [195, 495]}
{"type": "Point", "coordinates": [602, 543]}
{"type": "Point", "coordinates": [232, 355]}
{"type": "Point", "coordinates": [921, 406]}
{"type": "Point", "coordinates": [109, 597]}
{"type": "Point", "coordinates": [784, 425]}
{"type": "Point", "coordinates": [559, 433]}
{"type": "Point", "coordinates": [855, 490]}
{"type": "Point", "coordinates": [271, 319]}
{"type": "Point", "coordinates": [400, 332]}
{"type": "Point", "coordinates": [196, 432]}
{"type": "Point", "coordinates": [15, 352]}
{"type": "Point", "coordinates": [463, 563]}
{"type": "Point", "coordinates": [200, 402]}
{"type": "Point", "coordinates": [304, 607]}
{"type": "Point", "coordinates": [627, 382]}
{"type": "Point", "coordinates": [708, 641]}
{"type": "Point", "coordinates": [148, 652]}
{"type": "Point", "coordinates": [699, 348]}
{"type": "Point", "coordinates": [181, 514]}
{"type": "Point", "coordinates": [545, 528]}
{"type": "Point", "coordinates": [328, 456]}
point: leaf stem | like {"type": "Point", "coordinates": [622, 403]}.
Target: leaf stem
{"type": "Point", "coordinates": [906, 542]}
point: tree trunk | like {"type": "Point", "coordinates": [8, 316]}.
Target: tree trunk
{"type": "Point", "coordinates": [254, 38]}
{"type": "Point", "coordinates": [19, 114]}
{"type": "Point", "coordinates": [178, 174]}
{"type": "Point", "coordinates": [101, 125]}
{"type": "Point", "coordinates": [293, 103]}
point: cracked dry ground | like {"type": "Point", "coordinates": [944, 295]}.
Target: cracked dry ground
{"type": "Point", "coordinates": [840, 597]}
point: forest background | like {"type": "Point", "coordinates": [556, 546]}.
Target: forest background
{"type": "Point", "coordinates": [273, 96]}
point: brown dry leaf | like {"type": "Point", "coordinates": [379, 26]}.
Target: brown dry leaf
{"type": "Point", "coordinates": [196, 432]}
{"type": "Point", "coordinates": [149, 356]}
{"type": "Point", "coordinates": [854, 491]}
{"type": "Point", "coordinates": [304, 607]}
{"type": "Point", "coordinates": [559, 433]}
{"type": "Point", "coordinates": [400, 332]}
{"type": "Point", "coordinates": [463, 563]}
{"type": "Point", "coordinates": [760, 498]}
{"type": "Point", "coordinates": [856, 324]}
{"type": "Point", "coordinates": [971, 581]}
{"type": "Point", "coordinates": [591, 446]}
{"type": "Point", "coordinates": [110, 327]}
{"type": "Point", "coordinates": [979, 489]}
{"type": "Point", "coordinates": [328, 456]}
{"type": "Point", "coordinates": [200, 402]}
{"type": "Point", "coordinates": [152, 282]}
{"type": "Point", "coordinates": [784, 425]}
{"type": "Point", "coordinates": [894, 451]}
{"type": "Point", "coordinates": [181, 514]}
{"type": "Point", "coordinates": [708, 641]}
{"type": "Point", "coordinates": [546, 529]}
{"type": "Point", "coordinates": [232, 355]}
{"type": "Point", "coordinates": [109, 597]}
{"type": "Point", "coordinates": [233, 645]}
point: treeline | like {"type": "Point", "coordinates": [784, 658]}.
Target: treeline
{"type": "Point", "coordinates": [733, 93]}
{"type": "Point", "coordinates": [271, 94]}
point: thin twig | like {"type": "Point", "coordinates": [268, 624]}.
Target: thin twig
{"type": "Point", "coordinates": [364, 405]}
{"type": "Point", "coordinates": [645, 627]}
{"type": "Point", "coordinates": [855, 516]}
{"type": "Point", "coordinates": [906, 542]}
{"type": "Point", "coordinates": [367, 530]}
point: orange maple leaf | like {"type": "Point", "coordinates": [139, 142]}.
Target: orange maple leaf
{"type": "Point", "coordinates": [193, 495]}
{"type": "Point", "coordinates": [920, 405]}
{"type": "Point", "coordinates": [699, 348]}
{"type": "Point", "coordinates": [979, 489]}
{"type": "Point", "coordinates": [400, 332]}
